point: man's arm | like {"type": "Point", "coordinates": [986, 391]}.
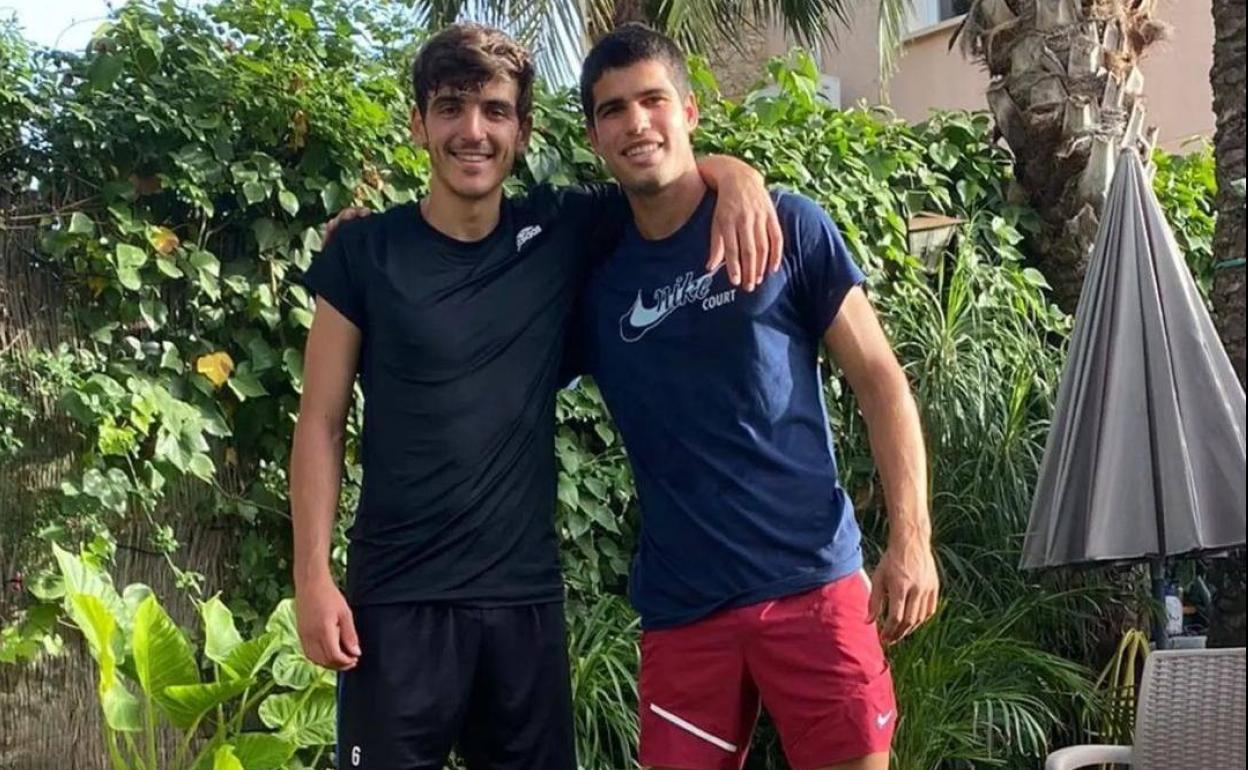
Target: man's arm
{"type": "Point", "coordinates": [906, 579]}
{"type": "Point", "coordinates": [326, 627]}
{"type": "Point", "coordinates": [745, 231]}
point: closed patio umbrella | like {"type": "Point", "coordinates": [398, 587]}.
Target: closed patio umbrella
{"type": "Point", "coordinates": [1145, 457]}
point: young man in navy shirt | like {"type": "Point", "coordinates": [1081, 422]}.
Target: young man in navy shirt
{"type": "Point", "coordinates": [748, 574]}
{"type": "Point", "coordinates": [453, 312]}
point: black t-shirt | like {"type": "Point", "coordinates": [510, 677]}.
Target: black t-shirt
{"type": "Point", "coordinates": [460, 362]}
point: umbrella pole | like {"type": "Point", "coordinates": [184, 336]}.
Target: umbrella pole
{"type": "Point", "coordinates": [1157, 570]}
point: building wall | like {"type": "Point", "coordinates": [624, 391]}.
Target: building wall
{"type": "Point", "coordinates": [930, 76]}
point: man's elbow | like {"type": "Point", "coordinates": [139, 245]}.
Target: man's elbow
{"type": "Point", "coordinates": [315, 428]}
{"type": "Point", "coordinates": [883, 384]}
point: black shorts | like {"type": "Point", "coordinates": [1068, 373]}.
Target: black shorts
{"type": "Point", "coordinates": [492, 683]}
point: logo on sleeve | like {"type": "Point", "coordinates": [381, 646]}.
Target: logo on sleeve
{"type": "Point", "coordinates": [685, 290]}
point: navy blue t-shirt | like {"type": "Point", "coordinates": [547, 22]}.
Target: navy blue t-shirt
{"type": "Point", "coordinates": [462, 348]}
{"type": "Point", "coordinates": [717, 394]}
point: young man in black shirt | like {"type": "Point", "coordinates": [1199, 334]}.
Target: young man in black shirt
{"type": "Point", "coordinates": [452, 312]}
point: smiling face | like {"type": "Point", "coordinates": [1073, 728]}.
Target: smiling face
{"type": "Point", "coordinates": [641, 126]}
{"type": "Point", "coordinates": [473, 136]}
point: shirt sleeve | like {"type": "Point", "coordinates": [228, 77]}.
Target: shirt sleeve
{"type": "Point", "coordinates": [334, 275]}
{"type": "Point", "coordinates": [823, 269]}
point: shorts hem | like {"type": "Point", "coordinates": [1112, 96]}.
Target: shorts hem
{"type": "Point", "coordinates": [647, 764]}
{"type": "Point", "coordinates": [838, 759]}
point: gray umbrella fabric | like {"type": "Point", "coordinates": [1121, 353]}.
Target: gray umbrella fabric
{"type": "Point", "coordinates": [1145, 457]}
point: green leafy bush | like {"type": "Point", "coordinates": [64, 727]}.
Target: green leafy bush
{"type": "Point", "coordinates": [1186, 186]}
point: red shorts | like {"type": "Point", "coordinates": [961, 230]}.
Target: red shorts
{"type": "Point", "coordinates": [814, 660]}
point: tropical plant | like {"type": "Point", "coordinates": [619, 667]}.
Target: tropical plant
{"type": "Point", "coordinates": [603, 651]}
{"type": "Point", "coordinates": [1065, 91]}
{"type": "Point", "coordinates": [972, 693]}
{"type": "Point", "coordinates": [151, 678]}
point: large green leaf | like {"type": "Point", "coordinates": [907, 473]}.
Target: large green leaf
{"type": "Point", "coordinates": [162, 656]}
{"type": "Point", "coordinates": [220, 634]}
{"type": "Point", "coordinates": [121, 708]}
{"type": "Point", "coordinates": [104, 70]}
{"type": "Point", "coordinates": [224, 759]}
{"type": "Point", "coordinates": [83, 578]}
{"type": "Point", "coordinates": [246, 385]}
{"type": "Point", "coordinates": [133, 595]}
{"type": "Point", "coordinates": [263, 751]}
{"type": "Point", "coordinates": [246, 659]}
{"type": "Point", "coordinates": [186, 703]}
{"type": "Point", "coordinates": [99, 626]}
{"type": "Point", "coordinates": [306, 718]}
{"type": "Point", "coordinates": [155, 313]}
{"type": "Point", "coordinates": [81, 224]}
{"type": "Point", "coordinates": [96, 622]}
{"type": "Point", "coordinates": [129, 260]}
{"type": "Point", "coordinates": [293, 670]}
{"type": "Point", "coordinates": [282, 623]}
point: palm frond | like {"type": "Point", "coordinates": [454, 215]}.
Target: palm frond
{"type": "Point", "coordinates": [558, 30]}
{"type": "Point", "coordinates": [891, 31]}
{"type": "Point", "coordinates": [554, 30]}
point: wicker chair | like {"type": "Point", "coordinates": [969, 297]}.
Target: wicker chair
{"type": "Point", "coordinates": [1190, 717]}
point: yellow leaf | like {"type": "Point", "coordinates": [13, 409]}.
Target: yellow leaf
{"type": "Point", "coordinates": [162, 239]}
{"type": "Point", "coordinates": [215, 366]}
{"type": "Point", "coordinates": [96, 284]}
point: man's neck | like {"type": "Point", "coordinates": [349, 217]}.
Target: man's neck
{"type": "Point", "coordinates": [663, 213]}
{"type": "Point", "coordinates": [464, 219]}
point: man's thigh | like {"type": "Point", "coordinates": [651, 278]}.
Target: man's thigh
{"type": "Point", "coordinates": [819, 665]}
{"type": "Point", "coordinates": [698, 703]}
{"type": "Point", "coordinates": [520, 713]}
{"type": "Point", "coordinates": [404, 704]}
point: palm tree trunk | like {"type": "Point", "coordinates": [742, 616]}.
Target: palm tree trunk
{"type": "Point", "coordinates": [629, 10]}
{"type": "Point", "coordinates": [1228, 78]}
{"type": "Point", "coordinates": [1065, 91]}
{"type": "Point", "coordinates": [1228, 81]}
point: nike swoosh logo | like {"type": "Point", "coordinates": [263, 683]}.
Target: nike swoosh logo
{"type": "Point", "coordinates": [640, 319]}
{"type": "Point", "coordinates": [686, 290]}
{"type": "Point", "coordinates": [882, 720]}
{"type": "Point", "coordinates": [641, 316]}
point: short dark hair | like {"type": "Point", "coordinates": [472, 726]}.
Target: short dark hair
{"type": "Point", "coordinates": [467, 56]}
{"type": "Point", "coordinates": [625, 46]}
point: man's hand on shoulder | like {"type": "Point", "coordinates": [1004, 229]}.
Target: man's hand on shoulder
{"type": "Point", "coordinates": [745, 233]}
{"type": "Point", "coordinates": [345, 215]}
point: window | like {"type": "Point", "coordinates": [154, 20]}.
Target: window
{"type": "Point", "coordinates": [928, 13]}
